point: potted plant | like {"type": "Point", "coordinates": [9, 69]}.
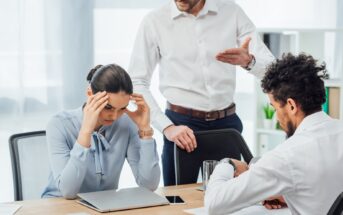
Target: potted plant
{"type": "Point", "coordinates": [268, 114]}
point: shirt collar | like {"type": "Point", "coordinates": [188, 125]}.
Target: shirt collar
{"type": "Point", "coordinates": [210, 6]}
{"type": "Point", "coordinates": [311, 120]}
{"type": "Point", "coordinates": [103, 144]}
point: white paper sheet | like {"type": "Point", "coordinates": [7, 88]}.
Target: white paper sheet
{"type": "Point", "coordinates": [252, 210]}
{"type": "Point", "coordinates": [8, 209]}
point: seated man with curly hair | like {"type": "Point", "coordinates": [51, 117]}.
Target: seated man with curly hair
{"type": "Point", "coordinates": [306, 170]}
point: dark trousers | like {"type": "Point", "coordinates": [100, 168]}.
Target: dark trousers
{"type": "Point", "coordinates": [232, 121]}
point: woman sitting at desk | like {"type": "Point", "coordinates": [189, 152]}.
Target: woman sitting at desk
{"type": "Point", "coordinates": [88, 146]}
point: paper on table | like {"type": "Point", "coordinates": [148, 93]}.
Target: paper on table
{"type": "Point", "coordinates": [197, 211]}
{"type": "Point", "coordinates": [201, 188]}
{"type": "Point", "coordinates": [8, 209]}
{"type": "Point", "coordinates": [252, 210]}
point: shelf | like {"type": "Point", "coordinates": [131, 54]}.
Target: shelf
{"type": "Point", "coordinates": [270, 131]}
{"type": "Point", "coordinates": [322, 44]}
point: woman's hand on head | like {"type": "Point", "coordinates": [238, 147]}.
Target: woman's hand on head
{"type": "Point", "coordinates": [95, 104]}
{"type": "Point", "coordinates": [142, 115]}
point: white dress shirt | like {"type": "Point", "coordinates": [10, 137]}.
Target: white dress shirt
{"type": "Point", "coordinates": [185, 47]}
{"type": "Point", "coordinates": [306, 169]}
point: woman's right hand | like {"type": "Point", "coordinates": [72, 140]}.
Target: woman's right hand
{"type": "Point", "coordinates": [95, 104]}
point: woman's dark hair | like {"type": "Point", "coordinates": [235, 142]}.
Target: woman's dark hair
{"type": "Point", "coordinates": [110, 78]}
{"type": "Point", "coordinates": [297, 77]}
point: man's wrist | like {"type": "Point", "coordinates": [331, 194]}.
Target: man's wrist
{"type": "Point", "coordinates": [251, 64]}
{"type": "Point", "coordinates": [167, 128]}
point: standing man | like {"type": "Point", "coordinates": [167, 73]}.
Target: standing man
{"type": "Point", "coordinates": [188, 38]}
{"type": "Point", "coordinates": [307, 168]}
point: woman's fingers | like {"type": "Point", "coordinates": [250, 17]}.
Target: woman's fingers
{"type": "Point", "coordinates": [97, 99]}
{"type": "Point", "coordinates": [141, 105]}
{"type": "Point", "coordinates": [100, 103]}
{"type": "Point", "coordinates": [136, 95]}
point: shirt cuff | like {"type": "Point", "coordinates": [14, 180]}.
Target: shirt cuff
{"type": "Point", "coordinates": [79, 152]}
{"type": "Point", "coordinates": [223, 171]}
{"type": "Point", "coordinates": [147, 141]}
{"type": "Point", "coordinates": [161, 122]}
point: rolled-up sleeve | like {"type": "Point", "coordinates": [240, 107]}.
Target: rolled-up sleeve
{"type": "Point", "coordinates": [143, 159]}
{"type": "Point", "coordinates": [257, 48]}
{"type": "Point", "coordinates": [68, 164]}
{"type": "Point", "coordinates": [145, 56]}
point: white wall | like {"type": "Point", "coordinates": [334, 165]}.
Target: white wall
{"type": "Point", "coordinates": [291, 13]}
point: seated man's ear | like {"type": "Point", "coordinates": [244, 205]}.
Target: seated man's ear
{"type": "Point", "coordinates": [89, 91]}
{"type": "Point", "coordinates": [292, 105]}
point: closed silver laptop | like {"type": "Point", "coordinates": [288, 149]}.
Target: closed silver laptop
{"type": "Point", "coordinates": [123, 199]}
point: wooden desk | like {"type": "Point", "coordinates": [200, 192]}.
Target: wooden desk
{"type": "Point", "coordinates": [193, 198]}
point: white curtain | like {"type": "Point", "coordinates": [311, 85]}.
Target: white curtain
{"type": "Point", "coordinates": [338, 67]}
{"type": "Point", "coordinates": [46, 50]}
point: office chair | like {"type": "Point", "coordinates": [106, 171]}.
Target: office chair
{"type": "Point", "coordinates": [211, 145]}
{"type": "Point", "coordinates": [30, 164]}
{"type": "Point", "coordinates": [337, 206]}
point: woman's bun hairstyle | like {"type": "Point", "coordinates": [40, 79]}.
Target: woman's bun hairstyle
{"type": "Point", "coordinates": [92, 72]}
{"type": "Point", "coordinates": [110, 78]}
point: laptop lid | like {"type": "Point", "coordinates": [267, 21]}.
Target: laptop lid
{"type": "Point", "coordinates": [115, 200]}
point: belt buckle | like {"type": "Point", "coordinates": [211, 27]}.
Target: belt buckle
{"type": "Point", "coordinates": [208, 117]}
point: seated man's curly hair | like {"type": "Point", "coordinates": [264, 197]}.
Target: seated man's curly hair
{"type": "Point", "coordinates": [297, 77]}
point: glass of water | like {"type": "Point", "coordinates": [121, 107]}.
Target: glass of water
{"type": "Point", "coordinates": [207, 169]}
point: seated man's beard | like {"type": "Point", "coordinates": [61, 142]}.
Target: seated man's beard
{"type": "Point", "coordinates": [290, 129]}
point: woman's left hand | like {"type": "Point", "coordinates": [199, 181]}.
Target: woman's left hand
{"type": "Point", "coordinates": [142, 115]}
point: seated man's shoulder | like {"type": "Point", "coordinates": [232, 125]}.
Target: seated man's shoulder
{"type": "Point", "coordinates": [225, 4]}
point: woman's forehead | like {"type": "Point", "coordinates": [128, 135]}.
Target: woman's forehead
{"type": "Point", "coordinates": [118, 100]}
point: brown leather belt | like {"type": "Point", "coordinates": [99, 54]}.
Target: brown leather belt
{"type": "Point", "coordinates": [207, 116]}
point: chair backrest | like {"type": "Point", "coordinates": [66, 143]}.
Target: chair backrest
{"type": "Point", "coordinates": [211, 145]}
{"type": "Point", "coordinates": [30, 164]}
{"type": "Point", "coordinates": [337, 206]}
